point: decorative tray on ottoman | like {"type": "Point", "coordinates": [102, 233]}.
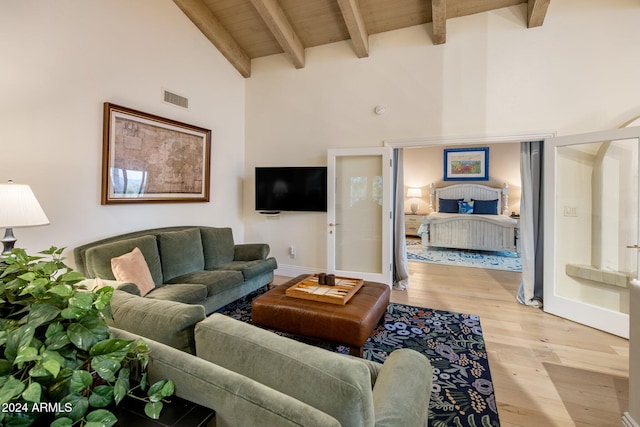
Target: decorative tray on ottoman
{"type": "Point", "coordinates": [340, 293]}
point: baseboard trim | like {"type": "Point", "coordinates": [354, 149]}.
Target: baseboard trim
{"type": "Point", "coordinates": [627, 421]}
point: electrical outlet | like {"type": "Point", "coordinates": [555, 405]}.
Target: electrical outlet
{"type": "Point", "coordinates": [570, 211]}
{"type": "Point", "coordinates": [292, 251]}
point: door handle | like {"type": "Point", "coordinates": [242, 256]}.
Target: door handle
{"type": "Point", "coordinates": [332, 224]}
{"type": "Point", "coordinates": [633, 246]}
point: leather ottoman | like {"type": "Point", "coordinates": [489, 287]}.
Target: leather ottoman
{"type": "Point", "coordinates": [350, 324]}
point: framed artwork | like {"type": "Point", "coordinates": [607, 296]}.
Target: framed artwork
{"type": "Point", "coordinates": [151, 159]}
{"type": "Point", "coordinates": [466, 164]}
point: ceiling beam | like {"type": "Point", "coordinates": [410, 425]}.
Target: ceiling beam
{"type": "Point", "coordinates": [439, 19]}
{"type": "Point", "coordinates": [273, 15]}
{"type": "Point", "coordinates": [355, 24]}
{"type": "Point", "coordinates": [537, 10]}
{"type": "Point", "coordinates": [213, 30]}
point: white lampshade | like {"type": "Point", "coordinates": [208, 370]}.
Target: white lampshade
{"type": "Point", "coordinates": [19, 207]}
{"type": "Point", "coordinates": [414, 192]}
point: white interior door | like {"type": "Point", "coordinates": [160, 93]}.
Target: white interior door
{"type": "Point", "coordinates": [359, 213]}
{"type": "Point", "coordinates": [591, 227]}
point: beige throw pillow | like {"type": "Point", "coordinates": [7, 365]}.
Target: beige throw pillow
{"type": "Point", "coordinates": [132, 267]}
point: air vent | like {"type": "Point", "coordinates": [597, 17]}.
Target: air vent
{"type": "Point", "coordinates": [175, 99]}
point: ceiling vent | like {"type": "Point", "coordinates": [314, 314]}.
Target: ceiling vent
{"type": "Point", "coordinates": [175, 99]}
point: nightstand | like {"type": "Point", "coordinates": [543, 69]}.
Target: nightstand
{"type": "Point", "coordinates": [516, 232]}
{"type": "Point", "coordinates": [412, 224]}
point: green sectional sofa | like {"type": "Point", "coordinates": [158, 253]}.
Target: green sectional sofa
{"type": "Point", "coordinates": [195, 271]}
{"type": "Point", "coordinates": [253, 377]}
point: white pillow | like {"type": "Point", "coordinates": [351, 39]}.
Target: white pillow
{"type": "Point", "coordinates": [132, 267]}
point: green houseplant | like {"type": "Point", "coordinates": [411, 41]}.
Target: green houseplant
{"type": "Point", "coordinates": [58, 363]}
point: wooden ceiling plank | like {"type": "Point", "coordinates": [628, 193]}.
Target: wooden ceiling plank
{"type": "Point", "coordinates": [439, 18]}
{"type": "Point", "coordinates": [281, 28]}
{"type": "Point", "coordinates": [213, 30]}
{"type": "Point", "coordinates": [537, 11]}
{"type": "Point", "coordinates": [355, 24]}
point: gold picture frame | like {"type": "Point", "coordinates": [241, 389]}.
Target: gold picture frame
{"type": "Point", "coordinates": [152, 159]}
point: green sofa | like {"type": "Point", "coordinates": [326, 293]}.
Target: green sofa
{"type": "Point", "coordinates": [195, 270]}
{"type": "Point", "coordinates": [253, 377]}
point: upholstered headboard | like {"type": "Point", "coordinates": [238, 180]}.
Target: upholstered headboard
{"type": "Point", "coordinates": [468, 192]}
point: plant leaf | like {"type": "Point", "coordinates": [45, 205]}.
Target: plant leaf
{"type": "Point", "coordinates": [62, 290]}
{"type": "Point", "coordinates": [41, 314]}
{"type": "Point", "coordinates": [79, 406]}
{"type": "Point", "coordinates": [11, 388]}
{"type": "Point", "coordinates": [80, 380]}
{"type": "Point", "coordinates": [27, 354]}
{"type": "Point", "coordinates": [113, 348]}
{"type": "Point", "coordinates": [100, 418]}
{"type": "Point", "coordinates": [103, 298]}
{"type": "Point", "coordinates": [106, 368]}
{"type": "Point", "coordinates": [71, 277]}
{"type": "Point", "coordinates": [57, 340]}
{"type": "Point", "coordinates": [18, 340]}
{"type": "Point", "coordinates": [62, 422]}
{"type": "Point", "coordinates": [52, 366]}
{"type": "Point", "coordinates": [38, 371]}
{"type": "Point", "coordinates": [87, 331]}
{"type": "Point", "coordinates": [122, 385]}
{"type": "Point", "coordinates": [101, 396]}
{"type": "Point", "coordinates": [82, 300]}
{"type": "Point", "coordinates": [18, 419]}
{"type": "Point", "coordinates": [153, 410]}
{"type": "Point", "coordinates": [27, 277]}
{"type": "Point", "coordinates": [160, 390]}
{"type": "Point", "coordinates": [33, 393]}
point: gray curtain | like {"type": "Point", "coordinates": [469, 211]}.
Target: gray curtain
{"type": "Point", "coordinates": [531, 223]}
{"type": "Point", "coordinates": [400, 263]}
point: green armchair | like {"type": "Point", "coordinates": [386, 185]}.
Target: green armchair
{"type": "Point", "coordinates": [253, 377]}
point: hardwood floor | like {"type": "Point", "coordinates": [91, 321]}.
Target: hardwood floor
{"type": "Point", "coordinates": [546, 371]}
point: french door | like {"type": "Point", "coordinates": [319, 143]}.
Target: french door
{"type": "Point", "coordinates": [359, 213]}
{"type": "Point", "coordinates": [592, 227]}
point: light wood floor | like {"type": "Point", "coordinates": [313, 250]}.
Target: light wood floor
{"type": "Point", "coordinates": [546, 371]}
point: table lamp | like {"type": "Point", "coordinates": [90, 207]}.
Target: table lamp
{"type": "Point", "coordinates": [414, 192]}
{"type": "Point", "coordinates": [18, 208]}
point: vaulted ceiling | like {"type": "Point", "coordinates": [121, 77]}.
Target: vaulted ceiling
{"type": "Point", "coordinates": [247, 29]}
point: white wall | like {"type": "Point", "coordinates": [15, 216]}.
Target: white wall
{"type": "Point", "coordinates": [60, 61]}
{"type": "Point", "coordinates": [576, 73]}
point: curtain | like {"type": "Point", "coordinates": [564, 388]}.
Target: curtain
{"type": "Point", "coordinates": [531, 223]}
{"type": "Point", "coordinates": [400, 263]}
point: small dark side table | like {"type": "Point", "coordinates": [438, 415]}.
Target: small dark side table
{"type": "Point", "coordinates": [177, 413]}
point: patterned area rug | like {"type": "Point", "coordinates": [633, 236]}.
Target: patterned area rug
{"type": "Point", "coordinates": [507, 261]}
{"type": "Point", "coordinates": [462, 394]}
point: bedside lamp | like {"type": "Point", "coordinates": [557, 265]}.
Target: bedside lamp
{"type": "Point", "coordinates": [413, 193]}
{"type": "Point", "coordinates": [18, 208]}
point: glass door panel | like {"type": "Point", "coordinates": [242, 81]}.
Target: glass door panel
{"type": "Point", "coordinates": [591, 227]}
{"type": "Point", "coordinates": [359, 214]}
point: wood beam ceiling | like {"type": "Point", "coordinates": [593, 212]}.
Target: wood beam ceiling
{"type": "Point", "coordinates": [273, 15]}
{"type": "Point", "coordinates": [537, 10]}
{"type": "Point", "coordinates": [213, 30]}
{"type": "Point", "coordinates": [439, 19]}
{"type": "Point", "coordinates": [355, 24]}
{"type": "Point", "coordinates": [263, 27]}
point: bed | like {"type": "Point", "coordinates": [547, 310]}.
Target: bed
{"type": "Point", "coordinates": [488, 228]}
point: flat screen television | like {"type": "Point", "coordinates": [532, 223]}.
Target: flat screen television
{"type": "Point", "coordinates": [291, 188]}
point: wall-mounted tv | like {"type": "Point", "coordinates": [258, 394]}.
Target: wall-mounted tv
{"type": "Point", "coordinates": [291, 188]}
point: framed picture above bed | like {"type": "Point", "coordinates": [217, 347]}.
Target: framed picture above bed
{"type": "Point", "coordinates": [466, 164]}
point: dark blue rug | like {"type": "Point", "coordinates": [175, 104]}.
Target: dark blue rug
{"type": "Point", "coordinates": [462, 392]}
